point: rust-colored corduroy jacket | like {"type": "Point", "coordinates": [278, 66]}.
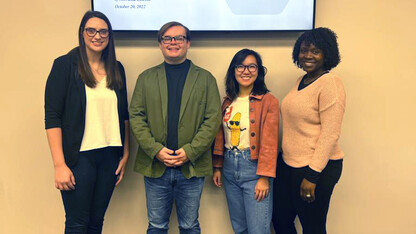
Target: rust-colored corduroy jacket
{"type": "Point", "coordinates": [264, 132]}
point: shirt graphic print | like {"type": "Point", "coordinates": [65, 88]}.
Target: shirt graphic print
{"type": "Point", "coordinates": [236, 124]}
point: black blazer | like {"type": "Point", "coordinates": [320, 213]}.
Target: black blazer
{"type": "Point", "coordinates": [65, 101]}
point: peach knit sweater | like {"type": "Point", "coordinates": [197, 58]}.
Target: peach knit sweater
{"type": "Point", "coordinates": [312, 119]}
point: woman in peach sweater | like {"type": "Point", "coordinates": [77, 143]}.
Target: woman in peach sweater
{"type": "Point", "coordinates": [312, 115]}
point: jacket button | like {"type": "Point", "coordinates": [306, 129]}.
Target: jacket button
{"type": "Point", "coordinates": [253, 147]}
{"type": "Point", "coordinates": [253, 134]}
{"type": "Point", "coordinates": [251, 100]}
{"type": "Point", "coordinates": [251, 109]}
{"type": "Point", "coordinates": [252, 121]}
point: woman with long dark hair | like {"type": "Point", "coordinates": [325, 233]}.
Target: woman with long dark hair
{"type": "Point", "coordinates": [312, 114]}
{"type": "Point", "coordinates": [246, 145]}
{"type": "Point", "coordinates": [87, 124]}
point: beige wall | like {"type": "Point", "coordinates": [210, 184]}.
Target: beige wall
{"type": "Point", "coordinates": [376, 37]}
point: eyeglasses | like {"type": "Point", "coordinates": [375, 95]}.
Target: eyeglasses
{"type": "Point", "coordinates": [168, 39]}
{"type": "Point", "coordinates": [250, 68]}
{"type": "Point", "coordinates": [91, 32]}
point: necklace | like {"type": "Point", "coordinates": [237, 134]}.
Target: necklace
{"type": "Point", "coordinates": [306, 82]}
{"type": "Point", "coordinates": [96, 71]}
{"type": "Point", "coordinates": [303, 84]}
{"type": "Point", "coordinates": [98, 68]}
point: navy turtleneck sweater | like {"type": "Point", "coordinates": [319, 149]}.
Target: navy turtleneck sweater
{"type": "Point", "coordinates": [176, 77]}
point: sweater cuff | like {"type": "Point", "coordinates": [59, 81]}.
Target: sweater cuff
{"type": "Point", "coordinates": [311, 175]}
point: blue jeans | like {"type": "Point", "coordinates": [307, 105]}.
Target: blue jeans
{"type": "Point", "coordinates": [171, 187]}
{"type": "Point", "coordinates": [95, 179]}
{"type": "Point", "coordinates": [239, 177]}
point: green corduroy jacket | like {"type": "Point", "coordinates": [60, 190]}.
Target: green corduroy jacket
{"type": "Point", "coordinates": [199, 120]}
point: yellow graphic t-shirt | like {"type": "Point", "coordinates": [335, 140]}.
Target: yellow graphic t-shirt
{"type": "Point", "coordinates": [236, 124]}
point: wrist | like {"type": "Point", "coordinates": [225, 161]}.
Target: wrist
{"type": "Point", "coordinates": [59, 164]}
{"type": "Point", "coordinates": [311, 175]}
{"type": "Point", "coordinates": [264, 179]}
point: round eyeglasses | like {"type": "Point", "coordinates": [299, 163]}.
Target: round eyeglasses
{"type": "Point", "coordinates": [91, 32]}
{"type": "Point", "coordinates": [250, 67]}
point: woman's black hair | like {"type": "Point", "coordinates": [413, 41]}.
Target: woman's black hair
{"type": "Point", "coordinates": [108, 55]}
{"type": "Point", "coordinates": [231, 84]}
{"type": "Point", "coordinates": [324, 39]}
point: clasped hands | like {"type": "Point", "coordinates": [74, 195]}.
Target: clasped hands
{"type": "Point", "coordinates": [172, 158]}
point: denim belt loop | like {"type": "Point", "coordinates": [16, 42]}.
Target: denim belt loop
{"type": "Point", "coordinates": [245, 153]}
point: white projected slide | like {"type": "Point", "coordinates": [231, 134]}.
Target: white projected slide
{"type": "Point", "coordinates": [209, 15]}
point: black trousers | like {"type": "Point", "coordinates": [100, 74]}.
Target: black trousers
{"type": "Point", "coordinates": [95, 180]}
{"type": "Point", "coordinates": [288, 203]}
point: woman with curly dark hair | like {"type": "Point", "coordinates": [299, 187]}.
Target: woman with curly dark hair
{"type": "Point", "coordinates": [312, 113]}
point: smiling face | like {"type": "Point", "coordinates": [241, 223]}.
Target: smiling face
{"type": "Point", "coordinates": [174, 52]}
{"type": "Point", "coordinates": [311, 59]}
{"type": "Point", "coordinates": [246, 78]}
{"type": "Point", "coordinates": [95, 44]}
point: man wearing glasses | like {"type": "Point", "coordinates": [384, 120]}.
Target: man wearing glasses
{"type": "Point", "coordinates": [175, 115]}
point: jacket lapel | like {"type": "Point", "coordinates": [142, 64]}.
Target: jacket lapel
{"type": "Point", "coordinates": [80, 84]}
{"type": "Point", "coordinates": [81, 90]}
{"type": "Point", "coordinates": [188, 88]}
{"type": "Point", "coordinates": [163, 91]}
